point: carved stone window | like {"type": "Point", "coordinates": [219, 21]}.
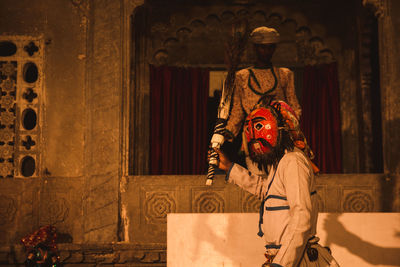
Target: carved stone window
{"type": "Point", "coordinates": [20, 93]}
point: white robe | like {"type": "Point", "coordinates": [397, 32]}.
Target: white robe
{"type": "Point", "coordinates": [290, 209]}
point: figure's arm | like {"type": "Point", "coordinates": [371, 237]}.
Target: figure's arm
{"type": "Point", "coordinates": [242, 177]}
{"type": "Point", "coordinates": [296, 179]}
{"type": "Point", "coordinates": [291, 94]}
{"type": "Point", "coordinates": [237, 114]}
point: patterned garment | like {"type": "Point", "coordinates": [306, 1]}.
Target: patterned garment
{"type": "Point", "coordinates": [45, 235]}
{"type": "Point", "coordinates": [297, 135]}
{"type": "Point", "coordinates": [289, 210]}
{"type": "Point", "coordinates": [251, 84]}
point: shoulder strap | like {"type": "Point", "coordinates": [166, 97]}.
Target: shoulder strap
{"type": "Point", "coordinates": [253, 76]}
{"type": "Point", "coordinates": [261, 221]}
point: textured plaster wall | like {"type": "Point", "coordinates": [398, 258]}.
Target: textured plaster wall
{"type": "Point", "coordinates": [78, 189]}
{"type": "Point", "coordinates": [61, 26]}
{"type": "Point", "coordinates": [55, 197]}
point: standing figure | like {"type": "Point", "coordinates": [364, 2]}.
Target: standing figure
{"type": "Point", "coordinates": [262, 79]}
{"type": "Point", "coordinates": [289, 208]}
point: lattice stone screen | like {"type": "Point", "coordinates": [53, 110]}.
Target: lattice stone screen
{"type": "Point", "coordinates": [21, 60]}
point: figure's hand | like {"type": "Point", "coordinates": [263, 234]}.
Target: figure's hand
{"type": "Point", "coordinates": [223, 163]}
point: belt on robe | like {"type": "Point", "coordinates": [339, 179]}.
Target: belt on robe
{"type": "Point", "coordinates": [261, 221]}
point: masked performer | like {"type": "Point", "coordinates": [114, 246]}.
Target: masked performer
{"type": "Point", "coordinates": [288, 212]}
{"type": "Point", "coordinates": [263, 79]}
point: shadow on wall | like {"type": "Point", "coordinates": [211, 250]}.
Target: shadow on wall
{"type": "Point", "coordinates": [223, 237]}
{"type": "Point", "coordinates": [369, 252]}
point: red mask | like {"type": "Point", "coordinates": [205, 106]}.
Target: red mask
{"type": "Point", "coordinates": [261, 130]}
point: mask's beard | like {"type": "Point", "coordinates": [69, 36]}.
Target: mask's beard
{"type": "Point", "coordinates": [274, 156]}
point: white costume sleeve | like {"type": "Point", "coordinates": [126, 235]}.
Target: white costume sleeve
{"type": "Point", "coordinates": [296, 180]}
{"type": "Point", "coordinates": [250, 182]}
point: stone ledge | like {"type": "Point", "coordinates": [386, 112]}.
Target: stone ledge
{"type": "Point", "coordinates": [107, 254]}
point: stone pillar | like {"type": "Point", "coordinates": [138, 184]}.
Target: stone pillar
{"type": "Point", "coordinates": [389, 55]}
{"type": "Point", "coordinates": [368, 94]}
{"type": "Point", "coordinates": [107, 105]}
{"type": "Point", "coordinates": [140, 98]}
{"type": "Point", "coordinates": [103, 105]}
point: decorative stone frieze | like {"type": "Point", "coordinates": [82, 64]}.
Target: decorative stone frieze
{"type": "Point", "coordinates": [377, 6]}
{"type": "Point", "coordinates": [21, 82]}
{"type": "Point", "coordinates": [358, 201]}
{"type": "Point", "coordinates": [208, 202]}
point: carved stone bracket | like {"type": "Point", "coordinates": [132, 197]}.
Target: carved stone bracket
{"type": "Point", "coordinates": [82, 6]}
{"type": "Point", "coordinates": [377, 6]}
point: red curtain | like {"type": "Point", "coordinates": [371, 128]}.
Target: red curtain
{"type": "Point", "coordinates": [321, 116]}
{"type": "Point", "coordinates": [178, 126]}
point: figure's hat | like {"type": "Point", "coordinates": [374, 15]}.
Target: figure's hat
{"type": "Point", "coordinates": [264, 35]}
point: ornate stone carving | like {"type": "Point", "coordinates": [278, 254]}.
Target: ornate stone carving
{"type": "Point", "coordinates": [161, 57]}
{"type": "Point", "coordinates": [7, 118]}
{"type": "Point", "coordinates": [159, 27]}
{"type": "Point", "coordinates": [15, 99]}
{"type": "Point", "coordinates": [208, 202]}
{"type": "Point", "coordinates": [8, 208]}
{"type": "Point", "coordinates": [7, 102]}
{"type": "Point", "coordinates": [82, 6]}
{"type": "Point", "coordinates": [311, 49]}
{"type": "Point", "coordinates": [6, 169]}
{"type": "Point", "coordinates": [377, 6]}
{"type": "Point", "coordinates": [9, 68]}
{"type": "Point", "coordinates": [158, 205]}
{"type": "Point", "coordinates": [31, 48]}
{"type": "Point", "coordinates": [6, 136]}
{"type": "Point", "coordinates": [28, 142]}
{"type": "Point", "coordinates": [250, 203]}
{"type": "Point", "coordinates": [358, 201]}
{"type": "Point", "coordinates": [7, 85]}
{"type": "Point", "coordinates": [5, 152]}
{"type": "Point", "coordinates": [29, 95]}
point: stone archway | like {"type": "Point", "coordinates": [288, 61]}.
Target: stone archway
{"type": "Point", "coordinates": [175, 36]}
{"type": "Point", "coordinates": [177, 42]}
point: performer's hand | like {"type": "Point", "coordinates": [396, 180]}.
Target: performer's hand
{"type": "Point", "coordinates": [224, 163]}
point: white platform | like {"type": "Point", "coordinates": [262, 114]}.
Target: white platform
{"type": "Point", "coordinates": [230, 239]}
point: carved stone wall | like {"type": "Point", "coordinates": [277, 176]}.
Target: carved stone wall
{"type": "Point", "coordinates": [389, 55]}
{"type": "Point", "coordinates": [148, 199]}
{"type": "Point", "coordinates": [21, 83]}
{"type": "Point", "coordinates": [84, 142]}
{"type": "Point", "coordinates": [95, 255]}
{"type": "Point", "coordinates": [178, 40]}
{"type": "Point", "coordinates": [368, 94]}
{"type": "Point", "coordinates": [28, 204]}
